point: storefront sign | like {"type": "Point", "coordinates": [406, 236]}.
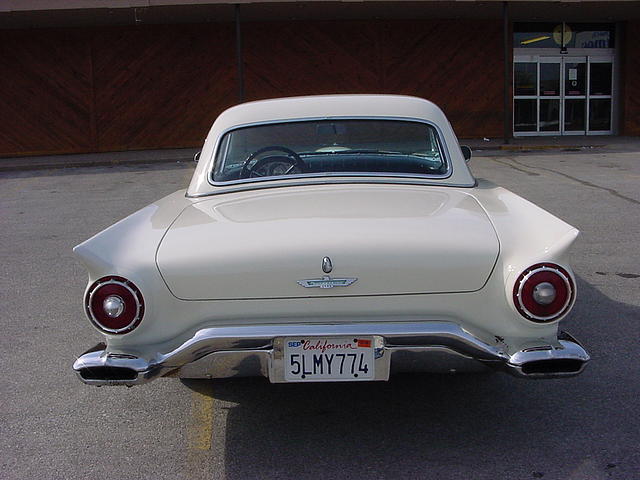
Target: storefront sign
{"type": "Point", "coordinates": [593, 39]}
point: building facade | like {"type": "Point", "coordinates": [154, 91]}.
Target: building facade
{"type": "Point", "coordinates": [99, 75]}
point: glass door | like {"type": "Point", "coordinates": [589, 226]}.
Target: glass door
{"type": "Point", "coordinates": [556, 95]}
{"type": "Point", "coordinates": [574, 75]}
{"type": "Point", "coordinates": [550, 95]}
{"type": "Point", "coordinates": [600, 105]}
{"type": "Point", "coordinates": [525, 100]}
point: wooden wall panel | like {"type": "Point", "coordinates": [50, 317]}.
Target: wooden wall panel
{"type": "Point", "coordinates": [306, 58]}
{"type": "Point", "coordinates": [631, 80]}
{"type": "Point", "coordinates": [45, 92]}
{"type": "Point", "coordinates": [459, 65]}
{"type": "Point", "coordinates": [161, 86]}
{"type": "Point", "coordinates": [456, 64]}
{"type": "Point", "coordinates": [136, 87]}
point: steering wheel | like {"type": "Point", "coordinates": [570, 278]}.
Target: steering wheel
{"type": "Point", "coordinates": [291, 157]}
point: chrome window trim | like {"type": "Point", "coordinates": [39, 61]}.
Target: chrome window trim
{"type": "Point", "coordinates": [440, 137]}
{"type": "Point", "coordinates": [324, 181]}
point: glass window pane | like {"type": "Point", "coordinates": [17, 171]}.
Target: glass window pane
{"type": "Point", "coordinates": [550, 79]}
{"type": "Point", "coordinates": [600, 114]}
{"type": "Point", "coordinates": [574, 79]}
{"type": "Point", "coordinates": [592, 35]}
{"type": "Point", "coordinates": [329, 146]}
{"type": "Point", "coordinates": [524, 116]}
{"type": "Point", "coordinates": [574, 115]}
{"type": "Point", "coordinates": [526, 75]}
{"type": "Point", "coordinates": [600, 81]}
{"type": "Point", "coordinates": [549, 115]}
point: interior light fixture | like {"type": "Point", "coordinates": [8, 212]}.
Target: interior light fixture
{"type": "Point", "coordinates": [534, 40]}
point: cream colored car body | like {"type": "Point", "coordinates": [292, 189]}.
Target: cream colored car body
{"type": "Point", "coordinates": [229, 256]}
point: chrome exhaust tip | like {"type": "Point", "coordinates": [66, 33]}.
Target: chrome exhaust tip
{"type": "Point", "coordinates": [98, 367]}
{"type": "Point", "coordinates": [561, 367]}
{"type": "Point", "coordinates": [566, 359]}
{"type": "Point", "coordinates": [107, 374]}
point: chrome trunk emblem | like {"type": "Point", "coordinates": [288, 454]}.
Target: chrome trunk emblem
{"type": "Point", "coordinates": [326, 282]}
{"type": "Point", "coordinates": [326, 265]}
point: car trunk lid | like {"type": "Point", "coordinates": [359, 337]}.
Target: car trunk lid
{"type": "Point", "coordinates": [393, 239]}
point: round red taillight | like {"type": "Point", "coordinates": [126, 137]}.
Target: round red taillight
{"type": "Point", "coordinates": [543, 292]}
{"type": "Point", "coordinates": [114, 305]}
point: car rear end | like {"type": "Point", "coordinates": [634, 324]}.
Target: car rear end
{"type": "Point", "coordinates": [434, 290]}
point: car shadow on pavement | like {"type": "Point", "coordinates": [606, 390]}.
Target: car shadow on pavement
{"type": "Point", "coordinates": [446, 426]}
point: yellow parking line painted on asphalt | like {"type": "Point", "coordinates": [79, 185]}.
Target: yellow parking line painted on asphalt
{"type": "Point", "coordinates": [202, 421]}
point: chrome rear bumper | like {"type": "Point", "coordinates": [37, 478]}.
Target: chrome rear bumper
{"type": "Point", "coordinates": [257, 350]}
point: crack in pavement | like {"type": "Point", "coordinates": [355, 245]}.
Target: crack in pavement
{"type": "Point", "coordinates": [533, 174]}
{"type": "Point", "coordinates": [586, 183]}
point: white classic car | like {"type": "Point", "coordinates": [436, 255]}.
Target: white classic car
{"type": "Point", "coordinates": [331, 238]}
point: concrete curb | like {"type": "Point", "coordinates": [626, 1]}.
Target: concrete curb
{"type": "Point", "coordinates": [185, 156]}
{"type": "Point", "coordinates": [549, 147]}
{"type": "Point", "coordinates": [98, 163]}
{"type": "Point", "coordinates": [108, 159]}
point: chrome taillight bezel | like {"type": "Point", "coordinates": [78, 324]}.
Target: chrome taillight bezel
{"type": "Point", "coordinates": [526, 275]}
{"type": "Point", "coordinates": [129, 287]}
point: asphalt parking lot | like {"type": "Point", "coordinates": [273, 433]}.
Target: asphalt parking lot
{"type": "Point", "coordinates": [415, 426]}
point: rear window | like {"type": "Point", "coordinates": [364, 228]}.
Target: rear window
{"type": "Point", "coordinates": [329, 147]}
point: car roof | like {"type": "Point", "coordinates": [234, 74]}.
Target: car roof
{"type": "Point", "coordinates": [320, 106]}
{"type": "Point", "coordinates": [327, 107]}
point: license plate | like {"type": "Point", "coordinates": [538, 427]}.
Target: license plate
{"type": "Point", "coordinates": [325, 359]}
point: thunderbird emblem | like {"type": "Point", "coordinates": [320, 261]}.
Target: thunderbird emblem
{"type": "Point", "coordinates": [326, 282]}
